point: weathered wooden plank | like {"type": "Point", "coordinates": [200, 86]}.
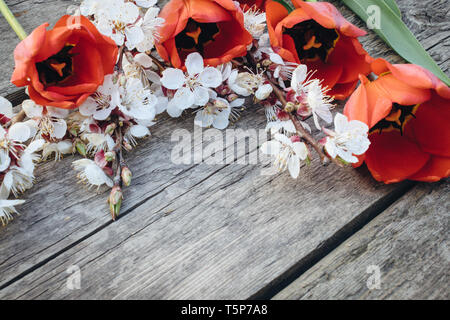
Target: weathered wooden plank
{"type": "Point", "coordinates": [408, 243]}
{"type": "Point", "coordinates": [40, 240]}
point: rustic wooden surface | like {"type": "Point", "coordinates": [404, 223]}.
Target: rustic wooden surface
{"type": "Point", "coordinates": [195, 231]}
{"type": "Point", "coordinates": [408, 242]}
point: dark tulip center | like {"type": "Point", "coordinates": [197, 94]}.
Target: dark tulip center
{"type": "Point", "coordinates": [56, 68]}
{"type": "Point", "coordinates": [196, 36]}
{"type": "Point", "coordinates": [312, 41]}
{"type": "Point", "coordinates": [397, 119]}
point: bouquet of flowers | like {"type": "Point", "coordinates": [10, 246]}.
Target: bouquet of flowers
{"type": "Point", "coordinates": [99, 78]}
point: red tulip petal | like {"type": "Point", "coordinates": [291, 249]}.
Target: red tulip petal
{"type": "Point", "coordinates": [24, 55]}
{"type": "Point", "coordinates": [367, 104]}
{"type": "Point", "coordinates": [350, 54]}
{"type": "Point", "coordinates": [430, 128]}
{"type": "Point", "coordinates": [329, 17]}
{"type": "Point", "coordinates": [392, 157]}
{"type": "Point", "coordinates": [436, 169]}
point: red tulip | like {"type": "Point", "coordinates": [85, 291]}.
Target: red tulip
{"type": "Point", "coordinates": [214, 28]}
{"type": "Point", "coordinates": [62, 67]}
{"type": "Point", "coordinates": [408, 111]}
{"type": "Point", "coordinates": [316, 34]}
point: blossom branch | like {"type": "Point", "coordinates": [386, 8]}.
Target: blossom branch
{"type": "Point", "coordinates": [301, 130]}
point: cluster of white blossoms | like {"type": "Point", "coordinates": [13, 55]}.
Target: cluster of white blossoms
{"type": "Point", "coordinates": [17, 161]}
{"type": "Point", "coordinates": [126, 105]}
{"type": "Point", "coordinates": [308, 98]}
{"type": "Point", "coordinates": [125, 21]}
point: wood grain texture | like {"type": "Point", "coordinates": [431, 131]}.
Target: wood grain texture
{"type": "Point", "coordinates": [186, 231]}
{"type": "Point", "coordinates": [409, 242]}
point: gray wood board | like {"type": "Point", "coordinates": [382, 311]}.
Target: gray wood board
{"type": "Point", "coordinates": [409, 244]}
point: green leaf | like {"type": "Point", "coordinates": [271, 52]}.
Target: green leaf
{"type": "Point", "coordinates": [286, 4]}
{"type": "Point", "coordinates": [393, 6]}
{"type": "Point", "coordinates": [397, 35]}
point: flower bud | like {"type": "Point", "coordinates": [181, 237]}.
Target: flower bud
{"type": "Point", "coordinates": [127, 146]}
{"type": "Point", "coordinates": [126, 176]}
{"type": "Point", "coordinates": [81, 148]}
{"type": "Point", "coordinates": [115, 201]}
{"type": "Point", "coordinates": [110, 156]}
{"type": "Point", "coordinates": [290, 107]}
{"type": "Point", "coordinates": [110, 129]}
{"type": "Point", "coordinates": [266, 63]}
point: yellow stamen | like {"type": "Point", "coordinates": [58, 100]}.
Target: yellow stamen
{"type": "Point", "coordinates": [312, 44]}
{"type": "Point", "coordinates": [58, 67]}
{"type": "Point", "coordinates": [395, 117]}
{"type": "Point", "coordinates": [195, 34]}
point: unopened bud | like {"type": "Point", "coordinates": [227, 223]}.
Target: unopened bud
{"type": "Point", "coordinates": [127, 146]}
{"type": "Point", "coordinates": [266, 63]}
{"type": "Point", "coordinates": [110, 156]}
{"type": "Point", "coordinates": [115, 201]}
{"type": "Point", "coordinates": [81, 148]}
{"type": "Point", "coordinates": [110, 128]}
{"type": "Point", "coordinates": [126, 176]}
{"type": "Point", "coordinates": [74, 130]}
{"type": "Point", "coordinates": [290, 107]}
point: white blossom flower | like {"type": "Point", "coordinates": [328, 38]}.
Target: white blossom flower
{"type": "Point", "coordinates": [287, 154]}
{"type": "Point", "coordinates": [98, 141]}
{"type": "Point", "coordinates": [11, 141]}
{"type": "Point", "coordinates": [138, 102]}
{"type": "Point", "coordinates": [104, 101]}
{"type": "Point", "coordinates": [7, 209]}
{"type": "Point", "coordinates": [350, 138]}
{"type": "Point", "coordinates": [149, 26]}
{"type": "Point", "coordinates": [58, 149]}
{"type": "Point", "coordinates": [91, 174]}
{"type": "Point", "coordinates": [17, 180]}
{"type": "Point", "coordinates": [30, 156]}
{"type": "Point", "coordinates": [255, 22]}
{"type": "Point", "coordinates": [115, 19]}
{"type": "Point", "coordinates": [45, 121]}
{"type": "Point", "coordinates": [246, 84]}
{"type": "Point", "coordinates": [319, 102]}
{"type": "Point", "coordinates": [191, 89]}
{"type": "Point", "coordinates": [216, 113]}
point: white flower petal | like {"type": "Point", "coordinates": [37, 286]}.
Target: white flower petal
{"type": "Point", "coordinates": [60, 128]}
{"type": "Point", "coordinates": [173, 110]}
{"type": "Point", "coordinates": [294, 166]}
{"type": "Point", "coordinates": [194, 64]}
{"type": "Point", "coordinates": [263, 92]}
{"type": "Point", "coordinates": [173, 78]}
{"type": "Point", "coordinates": [88, 107]}
{"type": "Point", "coordinates": [221, 121]}
{"type": "Point", "coordinates": [31, 109]}
{"type": "Point", "coordinates": [5, 160]}
{"type": "Point", "coordinates": [272, 147]}
{"type": "Point", "coordinates": [203, 119]}
{"type": "Point", "coordinates": [19, 132]}
{"type": "Point", "coordinates": [300, 150]}
{"type": "Point", "coordinates": [201, 96]}
{"type": "Point", "coordinates": [144, 60]}
{"type": "Point", "coordinates": [57, 112]}
{"type": "Point", "coordinates": [184, 98]}
{"type": "Point", "coordinates": [139, 131]}
{"type": "Point", "coordinates": [210, 77]}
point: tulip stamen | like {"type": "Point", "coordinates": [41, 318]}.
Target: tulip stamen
{"type": "Point", "coordinates": [312, 41]}
{"type": "Point", "coordinates": [397, 119]}
{"type": "Point", "coordinates": [196, 36]}
{"type": "Point", "coordinates": [56, 68]}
